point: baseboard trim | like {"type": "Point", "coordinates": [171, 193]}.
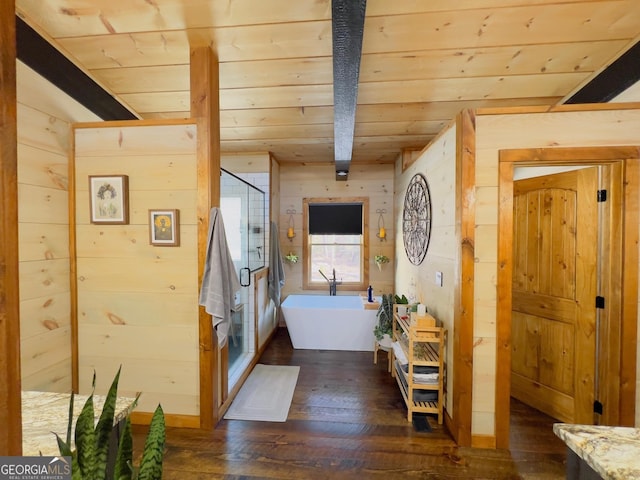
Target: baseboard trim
{"type": "Point", "coordinates": [483, 441]}
{"type": "Point", "coordinates": [170, 419]}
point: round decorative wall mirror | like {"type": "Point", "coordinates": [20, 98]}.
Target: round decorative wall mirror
{"type": "Point", "coordinates": [416, 219]}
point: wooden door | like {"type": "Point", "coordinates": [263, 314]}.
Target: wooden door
{"type": "Point", "coordinates": [554, 293]}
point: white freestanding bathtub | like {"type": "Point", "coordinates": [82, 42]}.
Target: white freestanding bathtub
{"type": "Point", "coordinates": [323, 322]}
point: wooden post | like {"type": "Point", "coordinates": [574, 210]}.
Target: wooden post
{"type": "Point", "coordinates": [10, 396]}
{"type": "Point", "coordinates": [205, 108]}
{"type": "Point", "coordinates": [464, 301]}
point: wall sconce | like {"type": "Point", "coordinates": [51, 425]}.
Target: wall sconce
{"type": "Point", "coordinates": [382, 233]}
{"type": "Point", "coordinates": [290, 232]}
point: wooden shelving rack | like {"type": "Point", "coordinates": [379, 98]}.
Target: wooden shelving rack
{"type": "Point", "coordinates": [423, 346]}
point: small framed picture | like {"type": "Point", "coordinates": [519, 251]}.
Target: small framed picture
{"type": "Point", "coordinates": [164, 228]}
{"type": "Point", "coordinates": [109, 199]}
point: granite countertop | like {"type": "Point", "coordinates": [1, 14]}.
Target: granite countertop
{"type": "Point", "coordinates": [613, 452]}
{"type": "Point", "coordinates": [46, 413]}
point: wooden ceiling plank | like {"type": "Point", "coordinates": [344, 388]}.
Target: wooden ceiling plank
{"type": "Point", "coordinates": [424, 61]}
{"type": "Point", "coordinates": [593, 21]}
{"type": "Point", "coordinates": [511, 60]}
{"type": "Point", "coordinates": [284, 144]}
{"type": "Point", "coordinates": [295, 40]}
{"type": "Point", "coordinates": [159, 78]}
{"type": "Point", "coordinates": [426, 127]}
{"type": "Point", "coordinates": [119, 51]}
{"type": "Point", "coordinates": [399, 112]}
{"type": "Point", "coordinates": [293, 96]}
{"type": "Point", "coordinates": [379, 8]}
{"type": "Point", "coordinates": [440, 110]}
{"type": "Point", "coordinates": [554, 84]}
{"type": "Point", "coordinates": [487, 61]}
{"type": "Point", "coordinates": [282, 132]}
{"type": "Point", "coordinates": [517, 86]}
{"type": "Point", "coordinates": [294, 131]}
{"type": "Point", "coordinates": [527, 25]}
{"type": "Point", "coordinates": [261, 73]}
{"type": "Point", "coordinates": [65, 18]}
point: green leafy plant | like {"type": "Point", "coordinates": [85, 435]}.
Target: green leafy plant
{"type": "Point", "coordinates": [291, 257]}
{"type": "Point", "coordinates": [89, 459]}
{"type": "Point", "coordinates": [385, 317]}
{"type": "Point", "coordinates": [381, 259]}
{"type": "Point", "coordinates": [401, 300]}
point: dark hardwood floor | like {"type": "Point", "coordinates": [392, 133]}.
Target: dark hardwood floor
{"type": "Point", "coordinates": [348, 421]}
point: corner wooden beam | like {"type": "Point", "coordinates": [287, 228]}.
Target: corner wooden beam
{"type": "Point", "coordinates": [205, 108]}
{"type": "Point", "coordinates": [464, 304]}
{"type": "Point", "coordinates": [10, 396]}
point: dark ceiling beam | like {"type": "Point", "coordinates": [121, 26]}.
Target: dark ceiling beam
{"type": "Point", "coordinates": [38, 54]}
{"type": "Point", "coordinates": [348, 28]}
{"type": "Point", "coordinates": [612, 81]}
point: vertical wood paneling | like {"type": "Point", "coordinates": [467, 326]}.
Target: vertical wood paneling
{"type": "Point", "coordinates": [546, 204]}
{"type": "Point", "coordinates": [544, 237]}
{"type": "Point", "coordinates": [533, 275]}
{"type": "Point", "coordinates": [128, 289]}
{"type": "Point", "coordinates": [10, 404]}
{"type": "Point", "coordinates": [519, 241]}
{"type": "Point", "coordinates": [556, 362]}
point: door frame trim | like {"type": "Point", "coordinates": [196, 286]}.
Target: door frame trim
{"type": "Point", "coordinates": [628, 157]}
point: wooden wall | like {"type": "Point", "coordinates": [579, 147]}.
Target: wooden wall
{"type": "Point", "coordinates": [438, 164]}
{"type": "Point", "coordinates": [44, 116]}
{"type": "Point", "coordinates": [496, 130]}
{"type": "Point", "coordinates": [373, 181]}
{"type": "Point", "coordinates": [138, 303]}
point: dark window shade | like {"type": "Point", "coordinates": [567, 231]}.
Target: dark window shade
{"type": "Point", "coordinates": [335, 218]}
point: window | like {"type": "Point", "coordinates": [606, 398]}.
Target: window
{"type": "Point", "coordinates": [336, 237]}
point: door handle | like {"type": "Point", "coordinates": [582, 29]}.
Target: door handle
{"type": "Point", "coordinates": [248, 281]}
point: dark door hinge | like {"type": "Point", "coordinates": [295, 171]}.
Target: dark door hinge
{"type": "Point", "coordinates": [597, 407]}
{"type": "Point", "coordinates": [599, 302]}
{"type": "Point", "coordinates": [602, 195]}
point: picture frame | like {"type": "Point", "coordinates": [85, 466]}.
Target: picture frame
{"type": "Point", "coordinates": [164, 228]}
{"type": "Point", "coordinates": [109, 199]}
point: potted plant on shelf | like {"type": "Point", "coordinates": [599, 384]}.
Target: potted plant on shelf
{"type": "Point", "coordinates": [380, 260]}
{"type": "Point", "coordinates": [291, 257]}
{"type": "Point", "coordinates": [402, 300]}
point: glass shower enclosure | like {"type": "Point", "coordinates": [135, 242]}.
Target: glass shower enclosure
{"type": "Point", "coordinates": [243, 212]}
